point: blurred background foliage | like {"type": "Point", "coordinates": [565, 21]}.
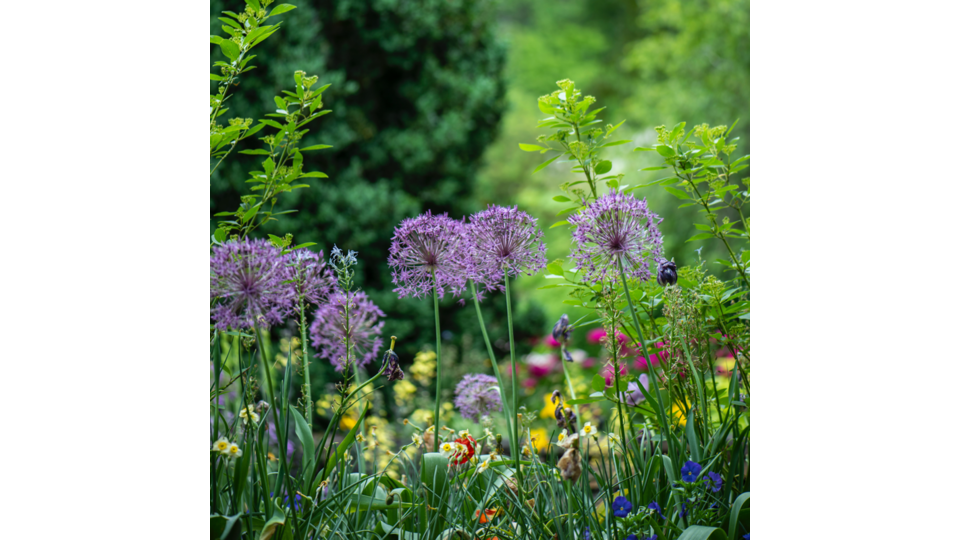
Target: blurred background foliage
{"type": "Point", "coordinates": [430, 99]}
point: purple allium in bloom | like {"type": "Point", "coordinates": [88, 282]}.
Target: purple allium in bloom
{"type": "Point", "coordinates": [622, 507]}
{"type": "Point", "coordinates": [329, 329]}
{"type": "Point", "coordinates": [426, 244]}
{"type": "Point", "coordinates": [654, 506]}
{"type": "Point", "coordinates": [616, 226]}
{"type": "Point", "coordinates": [312, 279]}
{"type": "Point", "coordinates": [249, 278]}
{"type": "Point", "coordinates": [690, 471]}
{"type": "Point", "coordinates": [477, 395]}
{"type": "Point", "coordinates": [633, 396]}
{"type": "Point", "coordinates": [713, 481]}
{"type": "Point", "coordinates": [506, 241]}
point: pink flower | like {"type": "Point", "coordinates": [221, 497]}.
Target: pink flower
{"type": "Point", "coordinates": [540, 365]}
{"type": "Point", "coordinates": [530, 383]}
{"type": "Point", "coordinates": [596, 335]}
{"type": "Point", "coordinates": [657, 357]}
{"type": "Point", "coordinates": [550, 342]}
{"type": "Point", "coordinates": [609, 376]}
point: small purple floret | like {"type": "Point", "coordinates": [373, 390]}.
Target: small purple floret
{"type": "Point", "coordinates": [616, 226]}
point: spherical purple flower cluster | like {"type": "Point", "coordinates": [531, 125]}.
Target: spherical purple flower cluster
{"type": "Point", "coordinates": [248, 279]}
{"type": "Point", "coordinates": [334, 327]}
{"type": "Point", "coordinates": [506, 243]}
{"type": "Point", "coordinates": [425, 246]}
{"type": "Point", "coordinates": [477, 395]}
{"type": "Point", "coordinates": [312, 279]}
{"type": "Point", "coordinates": [616, 226]}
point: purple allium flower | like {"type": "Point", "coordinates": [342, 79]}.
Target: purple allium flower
{"type": "Point", "coordinates": [249, 278]}
{"type": "Point", "coordinates": [330, 329]}
{"type": "Point", "coordinates": [616, 226]}
{"type": "Point", "coordinates": [312, 279]}
{"type": "Point", "coordinates": [654, 506]}
{"type": "Point", "coordinates": [622, 507]}
{"type": "Point", "coordinates": [690, 471]}
{"type": "Point", "coordinates": [713, 481]}
{"type": "Point", "coordinates": [506, 242]}
{"type": "Point", "coordinates": [666, 272]}
{"type": "Point", "coordinates": [633, 396]}
{"type": "Point", "coordinates": [426, 244]}
{"type": "Point", "coordinates": [477, 395]}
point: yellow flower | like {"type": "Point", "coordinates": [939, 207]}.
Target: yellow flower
{"type": "Point", "coordinates": [347, 422]}
{"type": "Point", "coordinates": [403, 392]}
{"type": "Point", "coordinates": [448, 449]}
{"type": "Point", "coordinates": [484, 465]}
{"type": "Point", "coordinates": [234, 451]}
{"type": "Point", "coordinates": [562, 436]}
{"type": "Point", "coordinates": [221, 445]}
{"type": "Point", "coordinates": [540, 439]}
{"type": "Point", "coordinates": [417, 439]}
{"type": "Point", "coordinates": [548, 408]}
{"type": "Point", "coordinates": [424, 367]}
{"type": "Point", "coordinates": [677, 413]}
{"type": "Point", "coordinates": [249, 414]}
{"type": "Point", "coordinates": [588, 430]}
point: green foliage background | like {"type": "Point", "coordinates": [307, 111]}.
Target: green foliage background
{"type": "Point", "coordinates": [430, 99]}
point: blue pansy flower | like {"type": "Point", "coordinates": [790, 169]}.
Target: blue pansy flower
{"type": "Point", "coordinates": [689, 471]}
{"type": "Point", "coordinates": [713, 481]}
{"type": "Point", "coordinates": [654, 537]}
{"type": "Point", "coordinates": [655, 506]}
{"type": "Point", "coordinates": [683, 510]}
{"type": "Point", "coordinates": [746, 536]}
{"type": "Point", "coordinates": [586, 533]}
{"type": "Point", "coordinates": [631, 537]}
{"type": "Point", "coordinates": [621, 507]}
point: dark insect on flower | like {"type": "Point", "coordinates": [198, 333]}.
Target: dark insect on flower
{"type": "Point", "coordinates": [561, 330]}
{"type": "Point", "coordinates": [666, 273]}
{"type": "Point", "coordinates": [392, 362]}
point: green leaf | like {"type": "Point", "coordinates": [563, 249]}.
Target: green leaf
{"type": "Point", "coordinates": [271, 123]}
{"type": "Point", "coordinates": [584, 401]}
{"type": "Point", "coordinates": [741, 500]}
{"type": "Point", "coordinates": [269, 166]}
{"type": "Point", "coordinates": [598, 383]}
{"type": "Point", "coordinates": [642, 149]}
{"type": "Point", "coordinates": [270, 527]}
{"type": "Point", "coordinates": [305, 434]}
{"type": "Point", "coordinates": [337, 456]}
{"type": "Point", "coordinates": [304, 245]}
{"type": "Point", "coordinates": [678, 193]}
{"type": "Point", "coordinates": [254, 4]}
{"type": "Point", "coordinates": [248, 215]}
{"type": "Point", "coordinates": [531, 147]}
{"type": "Point", "coordinates": [316, 147]}
{"type": "Point", "coordinates": [699, 532]}
{"type": "Point", "coordinates": [282, 8]}
{"type": "Point", "coordinates": [625, 141]}
{"type": "Point", "coordinates": [230, 49]}
{"type": "Point", "coordinates": [433, 474]}
{"type": "Point", "coordinates": [701, 236]}
{"type": "Point", "coordinates": [256, 152]}
{"type": "Point", "coordinates": [315, 174]}
{"type": "Point", "coordinates": [220, 235]}
{"type": "Point", "coordinates": [657, 168]}
{"type": "Point", "coordinates": [543, 165]}
{"type": "Point", "coordinates": [561, 198]}
{"type": "Point", "coordinates": [556, 268]}
{"type": "Point", "coordinates": [665, 150]}
{"type": "Point", "coordinates": [603, 167]}
{"type": "Point", "coordinates": [559, 223]}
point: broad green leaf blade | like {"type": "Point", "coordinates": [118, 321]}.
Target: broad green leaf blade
{"type": "Point", "coordinates": [305, 434]}
{"type": "Point", "coordinates": [699, 532]}
{"type": "Point", "coordinates": [543, 165]}
{"type": "Point", "coordinates": [741, 500]}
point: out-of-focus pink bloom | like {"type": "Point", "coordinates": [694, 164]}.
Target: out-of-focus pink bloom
{"type": "Point", "coordinates": [609, 376]}
{"type": "Point", "coordinates": [589, 362]}
{"type": "Point", "coordinates": [596, 335]}
{"type": "Point", "coordinates": [725, 365]}
{"type": "Point", "coordinates": [657, 357]}
{"type": "Point", "coordinates": [550, 342]}
{"type": "Point", "coordinates": [530, 383]}
{"type": "Point", "coordinates": [540, 365]}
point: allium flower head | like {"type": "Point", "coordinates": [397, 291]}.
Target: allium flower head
{"type": "Point", "coordinates": [690, 471]}
{"type": "Point", "coordinates": [506, 241]}
{"type": "Point", "coordinates": [616, 226]}
{"type": "Point", "coordinates": [426, 244]}
{"type": "Point", "coordinates": [622, 507]}
{"type": "Point", "coordinates": [477, 395]}
{"type": "Point", "coordinates": [312, 279]}
{"type": "Point", "coordinates": [333, 326]}
{"type": "Point", "coordinates": [249, 278]}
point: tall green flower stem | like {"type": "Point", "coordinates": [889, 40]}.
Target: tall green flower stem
{"type": "Point", "coordinates": [573, 393]}
{"type": "Point", "coordinates": [513, 366]}
{"type": "Point", "coordinates": [308, 405]}
{"type": "Point", "coordinates": [357, 377]}
{"type": "Point", "coordinates": [643, 346]}
{"type": "Point", "coordinates": [496, 369]}
{"type": "Point", "coordinates": [281, 436]}
{"type": "Point", "coordinates": [436, 411]}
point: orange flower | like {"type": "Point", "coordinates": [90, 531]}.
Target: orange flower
{"type": "Point", "coordinates": [487, 515]}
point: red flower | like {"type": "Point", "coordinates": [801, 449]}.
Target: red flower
{"type": "Point", "coordinates": [464, 457]}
